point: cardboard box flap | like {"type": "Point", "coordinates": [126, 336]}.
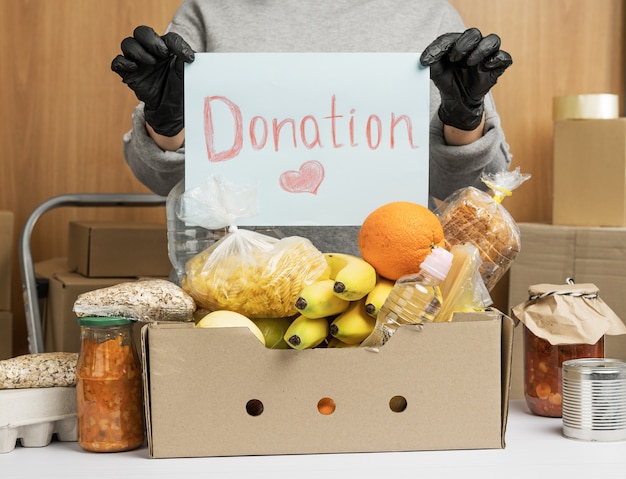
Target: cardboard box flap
{"type": "Point", "coordinates": [220, 392]}
{"type": "Point", "coordinates": [508, 331]}
{"type": "Point", "coordinates": [143, 351]}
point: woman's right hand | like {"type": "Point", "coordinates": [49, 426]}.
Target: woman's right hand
{"type": "Point", "coordinates": [152, 66]}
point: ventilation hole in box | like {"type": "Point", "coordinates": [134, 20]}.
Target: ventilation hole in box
{"type": "Point", "coordinates": [397, 403]}
{"type": "Point", "coordinates": [254, 407]}
{"type": "Point", "coordinates": [326, 406]}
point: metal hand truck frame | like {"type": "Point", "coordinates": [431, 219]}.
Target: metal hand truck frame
{"type": "Point", "coordinates": [29, 284]}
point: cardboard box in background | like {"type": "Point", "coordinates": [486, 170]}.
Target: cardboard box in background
{"type": "Point", "coordinates": [6, 245]}
{"type": "Point", "coordinates": [220, 392]}
{"type": "Point", "coordinates": [6, 334]}
{"type": "Point", "coordinates": [59, 326]}
{"type": "Point", "coordinates": [102, 249]}
{"type": "Point", "coordinates": [551, 254]}
{"type": "Point", "coordinates": [589, 181]}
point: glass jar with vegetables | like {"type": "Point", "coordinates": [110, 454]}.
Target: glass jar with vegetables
{"type": "Point", "coordinates": [543, 371]}
{"type": "Point", "coordinates": [560, 322]}
{"type": "Point", "coordinates": [109, 396]}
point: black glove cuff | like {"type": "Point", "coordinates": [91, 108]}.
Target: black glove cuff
{"type": "Point", "coordinates": [165, 121]}
{"type": "Point", "coordinates": [458, 115]}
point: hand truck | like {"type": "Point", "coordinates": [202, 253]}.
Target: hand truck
{"type": "Point", "coordinates": [29, 284]}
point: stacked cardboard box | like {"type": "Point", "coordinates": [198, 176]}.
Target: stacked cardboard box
{"type": "Point", "coordinates": [100, 254]}
{"type": "Point", "coordinates": [58, 321]}
{"type": "Point", "coordinates": [6, 317]}
{"type": "Point", "coordinates": [102, 249]}
{"type": "Point", "coordinates": [589, 180]}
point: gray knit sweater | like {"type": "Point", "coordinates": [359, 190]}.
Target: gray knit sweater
{"type": "Point", "coordinates": [324, 26]}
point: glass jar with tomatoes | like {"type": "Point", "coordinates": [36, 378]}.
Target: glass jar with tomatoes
{"type": "Point", "coordinates": [543, 371]}
{"type": "Point", "coordinates": [109, 395]}
{"type": "Point", "coordinates": [560, 323]}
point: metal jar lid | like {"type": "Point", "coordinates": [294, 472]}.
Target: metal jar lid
{"type": "Point", "coordinates": [594, 399]}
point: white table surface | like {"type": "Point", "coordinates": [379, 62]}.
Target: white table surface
{"type": "Point", "coordinates": [535, 447]}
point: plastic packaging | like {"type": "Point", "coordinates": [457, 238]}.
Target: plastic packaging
{"type": "Point", "coordinates": [147, 300]}
{"type": "Point", "coordinates": [473, 216]}
{"type": "Point", "coordinates": [184, 240]}
{"type": "Point", "coordinates": [25, 371]}
{"type": "Point", "coordinates": [109, 396]}
{"type": "Point", "coordinates": [414, 299]}
{"type": "Point", "coordinates": [463, 289]}
{"type": "Point", "coordinates": [246, 271]}
{"type": "Point", "coordinates": [561, 322]}
{"type": "Point", "coordinates": [253, 274]}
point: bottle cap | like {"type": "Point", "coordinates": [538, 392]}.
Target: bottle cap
{"type": "Point", "coordinates": [438, 263]}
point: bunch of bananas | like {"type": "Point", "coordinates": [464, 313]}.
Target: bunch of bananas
{"type": "Point", "coordinates": [340, 308]}
{"type": "Point", "coordinates": [337, 309]}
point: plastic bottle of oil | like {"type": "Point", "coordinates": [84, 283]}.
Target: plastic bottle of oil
{"type": "Point", "coordinates": [414, 299]}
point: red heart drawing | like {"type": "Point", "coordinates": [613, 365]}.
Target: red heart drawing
{"type": "Point", "coordinates": [305, 180]}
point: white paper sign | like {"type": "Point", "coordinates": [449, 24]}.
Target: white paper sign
{"type": "Point", "coordinates": [325, 137]}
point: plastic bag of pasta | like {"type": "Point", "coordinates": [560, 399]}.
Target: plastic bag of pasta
{"type": "Point", "coordinates": [246, 271]}
{"type": "Point", "coordinates": [253, 274]}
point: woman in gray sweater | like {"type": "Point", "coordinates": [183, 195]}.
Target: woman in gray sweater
{"type": "Point", "coordinates": [466, 139]}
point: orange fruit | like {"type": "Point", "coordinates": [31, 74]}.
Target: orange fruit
{"type": "Point", "coordinates": [396, 237]}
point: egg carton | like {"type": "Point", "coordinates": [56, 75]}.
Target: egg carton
{"type": "Point", "coordinates": [34, 415]}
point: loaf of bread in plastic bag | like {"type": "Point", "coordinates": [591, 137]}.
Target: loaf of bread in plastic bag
{"type": "Point", "coordinates": [473, 216]}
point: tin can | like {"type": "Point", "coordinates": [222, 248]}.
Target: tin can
{"type": "Point", "coordinates": [594, 399]}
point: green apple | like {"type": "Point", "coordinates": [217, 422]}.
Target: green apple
{"type": "Point", "coordinates": [274, 329]}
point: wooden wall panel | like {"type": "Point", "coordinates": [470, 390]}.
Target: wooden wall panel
{"type": "Point", "coordinates": [63, 112]}
{"type": "Point", "coordinates": [560, 47]}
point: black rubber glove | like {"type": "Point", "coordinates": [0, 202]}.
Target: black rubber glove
{"type": "Point", "coordinates": [464, 67]}
{"type": "Point", "coordinates": [152, 66]}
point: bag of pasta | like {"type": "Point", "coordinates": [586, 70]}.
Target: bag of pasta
{"type": "Point", "coordinates": [473, 216]}
{"type": "Point", "coordinates": [246, 271]}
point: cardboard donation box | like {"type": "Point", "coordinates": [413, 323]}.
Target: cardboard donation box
{"type": "Point", "coordinates": [118, 249]}
{"type": "Point", "coordinates": [220, 392]}
{"type": "Point", "coordinates": [589, 157]}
